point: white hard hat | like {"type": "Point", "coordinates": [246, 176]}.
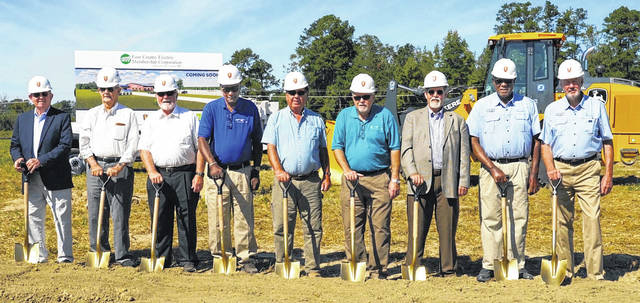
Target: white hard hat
{"type": "Point", "coordinates": [164, 83]}
{"type": "Point", "coordinates": [229, 75]}
{"type": "Point", "coordinates": [504, 69]}
{"type": "Point", "coordinates": [570, 69]}
{"type": "Point", "coordinates": [363, 84]}
{"type": "Point", "coordinates": [435, 79]}
{"type": "Point", "coordinates": [295, 80]}
{"type": "Point", "coordinates": [39, 84]}
{"type": "Point", "coordinates": [108, 77]}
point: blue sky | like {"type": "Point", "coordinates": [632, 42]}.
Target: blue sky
{"type": "Point", "coordinates": [39, 37]}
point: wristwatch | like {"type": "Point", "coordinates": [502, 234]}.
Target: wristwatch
{"type": "Point", "coordinates": [395, 181]}
{"type": "Point", "coordinates": [201, 174]}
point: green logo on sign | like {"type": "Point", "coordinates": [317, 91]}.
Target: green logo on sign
{"type": "Point", "coordinates": [125, 59]}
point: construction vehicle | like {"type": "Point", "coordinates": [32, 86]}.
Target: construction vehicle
{"type": "Point", "coordinates": [535, 56]}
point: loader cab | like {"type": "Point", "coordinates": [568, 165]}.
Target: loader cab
{"type": "Point", "coordinates": [534, 55]}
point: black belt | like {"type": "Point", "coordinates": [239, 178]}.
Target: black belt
{"type": "Point", "coordinates": [236, 166]}
{"type": "Point", "coordinates": [107, 159]}
{"type": "Point", "coordinates": [304, 177]}
{"type": "Point", "coordinates": [437, 172]}
{"type": "Point", "coordinates": [188, 167]}
{"type": "Point", "coordinates": [373, 172]}
{"type": "Point", "coordinates": [576, 161]}
{"type": "Point", "coordinates": [505, 161]}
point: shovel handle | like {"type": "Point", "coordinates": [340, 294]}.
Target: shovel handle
{"type": "Point", "coordinates": [219, 182]}
{"type": "Point", "coordinates": [25, 188]}
{"type": "Point", "coordinates": [416, 205]}
{"type": "Point", "coordinates": [352, 227]}
{"type": "Point", "coordinates": [505, 227]}
{"type": "Point", "coordinates": [154, 226]}
{"type": "Point", "coordinates": [223, 251]}
{"type": "Point", "coordinates": [103, 195]}
{"type": "Point", "coordinates": [285, 227]}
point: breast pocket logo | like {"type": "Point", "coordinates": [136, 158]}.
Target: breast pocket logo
{"type": "Point", "coordinates": [241, 120]}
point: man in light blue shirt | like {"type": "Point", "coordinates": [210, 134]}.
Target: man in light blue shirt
{"type": "Point", "coordinates": [576, 128]}
{"type": "Point", "coordinates": [504, 129]}
{"type": "Point", "coordinates": [297, 147]}
{"type": "Point", "coordinates": [366, 144]}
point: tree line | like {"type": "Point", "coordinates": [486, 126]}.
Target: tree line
{"type": "Point", "coordinates": [330, 55]}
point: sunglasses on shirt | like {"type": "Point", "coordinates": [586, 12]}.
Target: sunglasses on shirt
{"type": "Point", "coordinates": [435, 92]}
{"type": "Point", "coordinates": [365, 97]}
{"type": "Point", "coordinates": [37, 95]}
{"type": "Point", "coordinates": [109, 89]}
{"type": "Point", "coordinates": [168, 94]}
{"type": "Point", "coordinates": [230, 89]}
{"type": "Point", "coordinates": [294, 92]}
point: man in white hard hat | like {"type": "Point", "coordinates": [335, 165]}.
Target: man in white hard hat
{"type": "Point", "coordinates": [42, 140]}
{"type": "Point", "coordinates": [297, 148]}
{"type": "Point", "coordinates": [108, 143]}
{"type": "Point", "coordinates": [169, 150]}
{"type": "Point", "coordinates": [366, 144]}
{"type": "Point", "coordinates": [229, 137]}
{"type": "Point", "coordinates": [504, 129]}
{"type": "Point", "coordinates": [575, 130]}
{"type": "Point", "coordinates": [435, 156]}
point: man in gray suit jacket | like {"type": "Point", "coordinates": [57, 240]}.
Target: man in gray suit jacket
{"type": "Point", "coordinates": [435, 156]}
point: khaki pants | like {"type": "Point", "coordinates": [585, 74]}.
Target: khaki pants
{"type": "Point", "coordinates": [237, 192]}
{"type": "Point", "coordinates": [491, 213]}
{"type": "Point", "coordinates": [447, 211]}
{"type": "Point", "coordinates": [372, 202]}
{"type": "Point", "coordinates": [304, 197]}
{"type": "Point", "coordinates": [580, 183]}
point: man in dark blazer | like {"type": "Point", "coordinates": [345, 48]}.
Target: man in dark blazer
{"type": "Point", "coordinates": [42, 140]}
{"type": "Point", "coordinates": [435, 156]}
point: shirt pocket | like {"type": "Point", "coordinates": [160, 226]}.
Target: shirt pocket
{"type": "Point", "coordinates": [521, 122]}
{"type": "Point", "coordinates": [491, 121]}
{"type": "Point", "coordinates": [119, 131]}
{"type": "Point", "coordinates": [588, 124]}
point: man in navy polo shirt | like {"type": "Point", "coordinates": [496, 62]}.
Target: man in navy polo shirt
{"type": "Point", "coordinates": [229, 139]}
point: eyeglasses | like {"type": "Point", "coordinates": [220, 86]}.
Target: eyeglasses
{"type": "Point", "coordinates": [500, 81]}
{"type": "Point", "coordinates": [365, 97]}
{"type": "Point", "coordinates": [37, 95]}
{"type": "Point", "coordinates": [103, 89]}
{"type": "Point", "coordinates": [299, 92]}
{"type": "Point", "coordinates": [168, 94]}
{"type": "Point", "coordinates": [435, 92]}
{"type": "Point", "coordinates": [230, 89]}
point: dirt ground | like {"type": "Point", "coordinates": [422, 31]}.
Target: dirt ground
{"type": "Point", "coordinates": [75, 282]}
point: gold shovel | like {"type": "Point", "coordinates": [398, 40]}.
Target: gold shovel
{"type": "Point", "coordinates": [286, 269]}
{"type": "Point", "coordinates": [553, 271]}
{"type": "Point", "coordinates": [353, 271]}
{"type": "Point", "coordinates": [25, 252]}
{"type": "Point", "coordinates": [413, 271]}
{"type": "Point", "coordinates": [224, 264]}
{"type": "Point", "coordinates": [99, 259]}
{"type": "Point", "coordinates": [505, 269]}
{"type": "Point", "coordinates": [154, 264]}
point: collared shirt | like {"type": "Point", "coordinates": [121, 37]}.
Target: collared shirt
{"type": "Point", "coordinates": [505, 131]}
{"type": "Point", "coordinates": [298, 143]}
{"type": "Point", "coordinates": [233, 131]}
{"type": "Point", "coordinates": [38, 124]}
{"type": "Point", "coordinates": [576, 133]}
{"type": "Point", "coordinates": [172, 139]}
{"type": "Point", "coordinates": [367, 144]}
{"type": "Point", "coordinates": [436, 134]}
{"type": "Point", "coordinates": [110, 133]}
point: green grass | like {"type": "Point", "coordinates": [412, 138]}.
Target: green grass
{"type": "Point", "coordinates": [86, 99]}
{"type": "Point", "coordinates": [212, 97]}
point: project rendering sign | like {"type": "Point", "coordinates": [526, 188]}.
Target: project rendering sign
{"type": "Point", "coordinates": [195, 73]}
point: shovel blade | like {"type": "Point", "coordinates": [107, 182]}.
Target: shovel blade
{"type": "Point", "coordinates": [352, 271]}
{"type": "Point", "coordinates": [288, 270]}
{"type": "Point", "coordinates": [549, 276]}
{"type": "Point", "coordinates": [98, 260]}
{"type": "Point", "coordinates": [223, 265]}
{"type": "Point", "coordinates": [29, 253]}
{"type": "Point", "coordinates": [414, 273]}
{"type": "Point", "coordinates": [151, 265]}
{"type": "Point", "coordinates": [504, 269]}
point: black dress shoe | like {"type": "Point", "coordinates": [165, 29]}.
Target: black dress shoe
{"type": "Point", "coordinates": [484, 275]}
{"type": "Point", "coordinates": [249, 268]}
{"type": "Point", "coordinates": [189, 267]}
{"type": "Point", "coordinates": [524, 274]}
{"type": "Point", "coordinates": [127, 263]}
